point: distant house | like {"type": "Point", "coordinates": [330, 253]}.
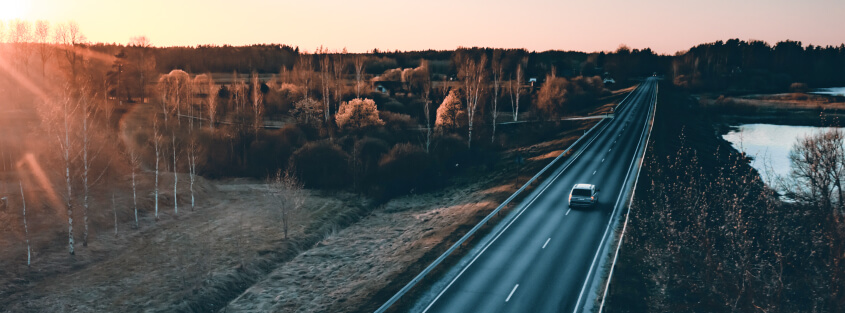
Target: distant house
{"type": "Point", "coordinates": [388, 87]}
{"type": "Point", "coordinates": [532, 81]}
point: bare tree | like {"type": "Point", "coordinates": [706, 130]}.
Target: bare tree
{"type": "Point", "coordinates": [498, 70]}
{"type": "Point", "coordinates": [473, 75]}
{"type": "Point", "coordinates": [338, 67]}
{"type": "Point", "coordinates": [134, 164]}
{"type": "Point", "coordinates": [359, 74]}
{"type": "Point", "coordinates": [114, 211]}
{"type": "Point", "coordinates": [193, 151]}
{"type": "Point", "coordinates": [257, 103]}
{"type": "Point", "coordinates": [427, 111]}
{"type": "Point", "coordinates": [818, 170]}
{"type": "Point", "coordinates": [158, 148]}
{"type": "Point", "coordinates": [69, 37]}
{"type": "Point", "coordinates": [42, 36]}
{"type": "Point", "coordinates": [290, 194]}
{"type": "Point", "coordinates": [25, 227]}
{"type": "Point", "coordinates": [325, 81]}
{"type": "Point", "coordinates": [89, 156]}
{"type": "Point", "coordinates": [175, 175]}
{"type": "Point", "coordinates": [66, 146]}
{"type": "Point", "coordinates": [514, 87]}
{"type": "Point", "coordinates": [144, 62]}
{"type": "Point", "coordinates": [21, 37]}
{"type": "Point", "coordinates": [304, 70]}
{"type": "Point", "coordinates": [212, 91]}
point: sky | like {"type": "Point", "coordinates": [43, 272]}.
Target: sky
{"type": "Point", "coordinates": [665, 26]}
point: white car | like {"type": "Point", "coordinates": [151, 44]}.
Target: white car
{"type": "Point", "coordinates": [583, 195]}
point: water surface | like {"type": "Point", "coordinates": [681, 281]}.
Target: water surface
{"type": "Point", "coordinates": [769, 145]}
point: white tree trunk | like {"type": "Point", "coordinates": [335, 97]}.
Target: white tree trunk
{"type": "Point", "coordinates": [157, 139]}
{"type": "Point", "coordinates": [66, 156]}
{"type": "Point", "coordinates": [134, 188]}
{"type": "Point", "coordinates": [114, 210]}
{"type": "Point", "coordinates": [86, 166]}
{"type": "Point", "coordinates": [25, 228]}
{"type": "Point", "coordinates": [175, 178]}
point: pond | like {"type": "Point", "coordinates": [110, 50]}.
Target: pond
{"type": "Point", "coordinates": [836, 91]}
{"type": "Point", "coordinates": [769, 146]}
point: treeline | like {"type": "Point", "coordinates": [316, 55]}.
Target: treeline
{"type": "Point", "coordinates": [756, 66]}
{"type": "Point", "coordinates": [707, 235]}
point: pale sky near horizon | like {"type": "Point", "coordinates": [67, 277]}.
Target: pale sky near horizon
{"type": "Point", "coordinates": [666, 26]}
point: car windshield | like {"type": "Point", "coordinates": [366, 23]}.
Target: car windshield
{"type": "Point", "coordinates": [581, 192]}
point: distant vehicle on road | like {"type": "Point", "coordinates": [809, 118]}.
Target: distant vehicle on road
{"type": "Point", "coordinates": [583, 195]}
{"type": "Point", "coordinates": [609, 81]}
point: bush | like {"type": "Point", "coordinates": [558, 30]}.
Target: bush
{"type": "Point", "coordinates": [404, 169]}
{"type": "Point", "coordinates": [358, 114]}
{"type": "Point", "coordinates": [798, 87]}
{"type": "Point", "coordinates": [397, 123]}
{"type": "Point", "coordinates": [450, 113]}
{"type": "Point", "coordinates": [560, 96]}
{"type": "Point", "coordinates": [281, 100]}
{"type": "Point", "coordinates": [449, 152]}
{"type": "Point", "coordinates": [393, 105]}
{"type": "Point", "coordinates": [367, 152]}
{"type": "Point", "coordinates": [321, 165]}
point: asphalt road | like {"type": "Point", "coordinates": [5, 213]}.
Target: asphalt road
{"type": "Point", "coordinates": [546, 257]}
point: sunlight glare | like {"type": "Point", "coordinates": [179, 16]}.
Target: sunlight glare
{"type": "Point", "coordinates": [12, 9]}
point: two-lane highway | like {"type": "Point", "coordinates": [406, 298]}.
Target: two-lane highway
{"type": "Point", "coordinates": [544, 259]}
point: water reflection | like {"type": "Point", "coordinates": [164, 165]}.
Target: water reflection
{"type": "Point", "coordinates": [769, 145]}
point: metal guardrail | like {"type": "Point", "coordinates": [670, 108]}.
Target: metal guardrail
{"type": "Point", "coordinates": [480, 224]}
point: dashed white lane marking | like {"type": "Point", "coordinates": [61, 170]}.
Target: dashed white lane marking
{"type": "Point", "coordinates": [567, 212]}
{"type": "Point", "coordinates": [608, 150]}
{"type": "Point", "coordinates": [602, 160]}
{"type": "Point", "coordinates": [594, 172]}
{"type": "Point", "coordinates": [511, 294]}
{"type": "Point", "coordinates": [547, 242]}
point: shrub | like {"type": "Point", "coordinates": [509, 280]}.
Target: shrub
{"type": "Point", "coordinates": [404, 169]}
{"type": "Point", "coordinates": [367, 152]}
{"type": "Point", "coordinates": [397, 123]}
{"type": "Point", "coordinates": [308, 112]}
{"type": "Point", "coordinates": [281, 100]}
{"type": "Point", "coordinates": [321, 165]}
{"type": "Point", "coordinates": [560, 96]}
{"type": "Point", "coordinates": [358, 114]}
{"type": "Point", "coordinates": [798, 87]}
{"type": "Point", "coordinates": [449, 152]}
{"type": "Point", "coordinates": [450, 113]}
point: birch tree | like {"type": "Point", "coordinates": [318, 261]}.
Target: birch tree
{"type": "Point", "coordinates": [157, 144]}
{"type": "Point", "coordinates": [65, 150]}
{"type": "Point", "coordinates": [175, 175]}
{"type": "Point", "coordinates": [426, 91]}
{"type": "Point", "coordinates": [134, 165]}
{"type": "Point", "coordinates": [257, 103]}
{"type": "Point", "coordinates": [497, 71]}
{"type": "Point", "coordinates": [338, 67]}
{"type": "Point", "coordinates": [193, 151]}
{"type": "Point", "coordinates": [290, 194]}
{"type": "Point", "coordinates": [325, 83]}
{"type": "Point", "coordinates": [212, 91]}
{"type": "Point", "coordinates": [25, 227]}
{"type": "Point", "coordinates": [359, 74]}
{"type": "Point", "coordinates": [472, 73]}
{"type": "Point", "coordinates": [514, 87]}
